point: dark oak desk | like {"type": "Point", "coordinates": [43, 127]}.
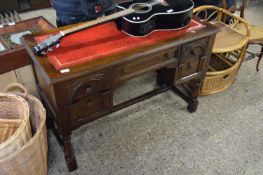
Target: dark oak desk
{"type": "Point", "coordinates": [86, 92]}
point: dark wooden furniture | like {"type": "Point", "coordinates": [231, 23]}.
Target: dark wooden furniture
{"type": "Point", "coordinates": [86, 92]}
{"type": "Point", "coordinates": [23, 5]}
{"type": "Point", "coordinates": [15, 56]}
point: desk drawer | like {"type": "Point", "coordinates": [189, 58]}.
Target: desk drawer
{"type": "Point", "coordinates": [147, 63]}
{"type": "Point", "coordinates": [92, 84]}
{"type": "Point", "coordinates": [192, 61]}
{"type": "Point", "coordinates": [86, 108]}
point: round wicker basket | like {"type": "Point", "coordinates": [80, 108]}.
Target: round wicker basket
{"type": "Point", "coordinates": [15, 128]}
{"type": "Point", "coordinates": [31, 159]}
{"type": "Point", "coordinates": [223, 74]}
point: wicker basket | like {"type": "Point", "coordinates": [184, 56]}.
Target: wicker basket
{"type": "Point", "coordinates": [222, 72]}
{"type": "Point", "coordinates": [31, 159]}
{"type": "Point", "coordinates": [15, 128]}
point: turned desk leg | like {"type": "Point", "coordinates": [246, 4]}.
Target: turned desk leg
{"type": "Point", "coordinates": [193, 102]}
{"type": "Point", "coordinates": [65, 130]}
{"type": "Point", "coordinates": [167, 76]}
{"type": "Point", "coordinates": [192, 106]}
{"type": "Point", "coordinates": [69, 154]}
{"type": "Point", "coordinates": [65, 141]}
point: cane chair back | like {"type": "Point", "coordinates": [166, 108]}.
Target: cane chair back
{"type": "Point", "coordinates": [229, 38]}
{"type": "Point", "coordinates": [256, 34]}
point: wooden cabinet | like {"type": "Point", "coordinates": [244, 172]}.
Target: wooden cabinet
{"type": "Point", "coordinates": [85, 93]}
{"type": "Point", "coordinates": [23, 5]}
{"type": "Point", "coordinates": [14, 56]}
{"type": "Point", "coordinates": [193, 57]}
{"type": "Point", "coordinates": [15, 63]}
{"type": "Point", "coordinates": [89, 96]}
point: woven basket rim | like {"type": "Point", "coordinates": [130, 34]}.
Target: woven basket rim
{"type": "Point", "coordinates": [35, 136]}
{"type": "Point", "coordinates": [9, 120]}
{"type": "Point", "coordinates": [23, 123]}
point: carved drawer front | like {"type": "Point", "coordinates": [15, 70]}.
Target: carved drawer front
{"type": "Point", "coordinates": [194, 50]}
{"type": "Point", "coordinates": [147, 63]}
{"type": "Point", "coordinates": [192, 61]}
{"type": "Point", "coordinates": [89, 106]}
{"type": "Point", "coordinates": [91, 84]}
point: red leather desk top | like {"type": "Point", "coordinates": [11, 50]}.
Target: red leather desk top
{"type": "Point", "coordinates": [102, 41]}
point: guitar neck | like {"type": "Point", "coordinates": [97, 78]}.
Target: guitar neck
{"type": "Point", "coordinates": [98, 21]}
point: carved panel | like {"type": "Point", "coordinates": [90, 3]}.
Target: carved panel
{"type": "Point", "coordinates": [85, 86]}
{"type": "Point", "coordinates": [194, 50]}
{"type": "Point", "coordinates": [192, 60]}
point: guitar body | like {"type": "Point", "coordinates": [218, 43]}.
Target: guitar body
{"type": "Point", "coordinates": [148, 18]}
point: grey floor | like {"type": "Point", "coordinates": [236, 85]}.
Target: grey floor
{"type": "Point", "coordinates": [158, 135]}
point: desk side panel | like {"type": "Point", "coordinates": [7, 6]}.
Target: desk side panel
{"type": "Point", "coordinates": [45, 88]}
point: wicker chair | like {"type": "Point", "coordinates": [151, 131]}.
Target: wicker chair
{"type": "Point", "coordinates": [228, 50]}
{"type": "Point", "coordinates": [256, 34]}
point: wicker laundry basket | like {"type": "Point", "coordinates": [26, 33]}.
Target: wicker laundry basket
{"type": "Point", "coordinates": [31, 159]}
{"type": "Point", "coordinates": [15, 128]}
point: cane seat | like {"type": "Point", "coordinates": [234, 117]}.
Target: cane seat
{"type": "Point", "coordinates": [228, 39]}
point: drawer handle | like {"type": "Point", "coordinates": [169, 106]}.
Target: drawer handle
{"type": "Point", "coordinates": [91, 104]}
{"type": "Point", "coordinates": [88, 90]}
{"type": "Point", "coordinates": [106, 92]}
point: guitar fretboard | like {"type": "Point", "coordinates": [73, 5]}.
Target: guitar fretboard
{"type": "Point", "coordinates": [108, 18]}
{"type": "Point", "coordinates": [99, 21]}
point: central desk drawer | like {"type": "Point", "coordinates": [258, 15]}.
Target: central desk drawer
{"type": "Point", "coordinates": [144, 64]}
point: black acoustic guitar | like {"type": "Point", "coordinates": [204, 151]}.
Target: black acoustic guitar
{"type": "Point", "coordinates": [136, 18]}
{"type": "Point", "coordinates": [148, 17]}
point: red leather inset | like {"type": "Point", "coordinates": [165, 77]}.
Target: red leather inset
{"type": "Point", "coordinates": [102, 41]}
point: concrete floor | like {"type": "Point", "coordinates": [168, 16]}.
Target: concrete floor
{"type": "Point", "coordinates": [158, 135]}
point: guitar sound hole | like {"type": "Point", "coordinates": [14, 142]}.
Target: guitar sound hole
{"type": "Point", "coordinates": [141, 7]}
